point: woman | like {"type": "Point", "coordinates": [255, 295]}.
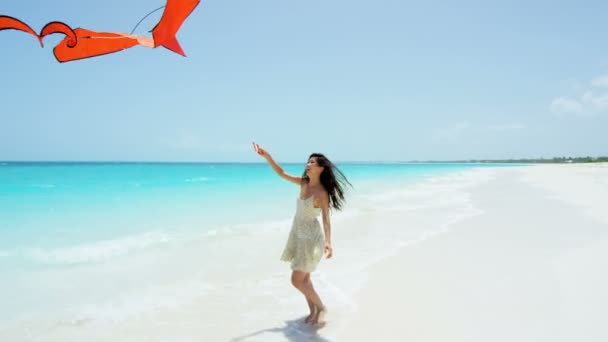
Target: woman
{"type": "Point", "coordinates": [320, 190]}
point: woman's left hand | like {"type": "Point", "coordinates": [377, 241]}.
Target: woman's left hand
{"type": "Point", "coordinates": [328, 250]}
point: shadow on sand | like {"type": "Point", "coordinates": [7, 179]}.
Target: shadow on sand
{"type": "Point", "coordinates": [294, 331]}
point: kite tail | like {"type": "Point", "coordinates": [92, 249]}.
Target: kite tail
{"type": "Point", "coordinates": [10, 23]}
{"type": "Point", "coordinates": [60, 27]}
{"type": "Point", "coordinates": [164, 33]}
{"type": "Point", "coordinates": [172, 44]}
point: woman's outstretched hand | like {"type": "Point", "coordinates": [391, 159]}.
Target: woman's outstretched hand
{"type": "Point", "coordinates": [259, 150]}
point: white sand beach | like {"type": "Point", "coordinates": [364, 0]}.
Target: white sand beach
{"type": "Point", "coordinates": [489, 254]}
{"type": "Point", "coordinates": [530, 266]}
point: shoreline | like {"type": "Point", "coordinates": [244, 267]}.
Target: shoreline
{"type": "Point", "coordinates": [470, 255]}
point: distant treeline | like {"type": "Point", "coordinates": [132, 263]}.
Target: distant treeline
{"type": "Point", "coordinates": [540, 160]}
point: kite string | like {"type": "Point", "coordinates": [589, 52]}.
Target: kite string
{"type": "Point", "coordinates": [142, 19]}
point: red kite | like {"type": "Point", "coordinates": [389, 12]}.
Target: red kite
{"type": "Point", "coordinates": [82, 43]}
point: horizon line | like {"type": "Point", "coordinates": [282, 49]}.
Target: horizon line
{"type": "Point", "coordinates": [469, 160]}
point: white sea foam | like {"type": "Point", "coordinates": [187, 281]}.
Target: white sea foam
{"type": "Point", "coordinates": [98, 251]}
{"type": "Point", "coordinates": [402, 218]}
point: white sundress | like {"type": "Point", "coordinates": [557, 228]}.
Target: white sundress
{"type": "Point", "coordinates": [306, 241]}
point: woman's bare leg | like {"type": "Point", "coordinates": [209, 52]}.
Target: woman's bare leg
{"type": "Point", "coordinates": [320, 311]}
{"type": "Point", "coordinates": [299, 281]}
{"type": "Point", "coordinates": [311, 305]}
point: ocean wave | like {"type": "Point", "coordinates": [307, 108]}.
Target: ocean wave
{"type": "Point", "coordinates": [98, 251]}
{"type": "Point", "coordinates": [239, 229]}
{"type": "Point", "coordinates": [430, 187]}
{"type": "Point", "coordinates": [426, 209]}
{"type": "Point", "coordinates": [197, 180]}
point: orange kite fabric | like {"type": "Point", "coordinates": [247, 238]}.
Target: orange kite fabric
{"type": "Point", "coordinates": [10, 23]}
{"type": "Point", "coordinates": [91, 44]}
{"type": "Point", "coordinates": [81, 43]}
{"type": "Point", "coordinates": [173, 17]}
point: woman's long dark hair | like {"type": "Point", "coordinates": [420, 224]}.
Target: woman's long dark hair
{"type": "Point", "coordinates": [332, 184]}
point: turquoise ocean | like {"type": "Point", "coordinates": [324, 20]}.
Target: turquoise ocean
{"type": "Point", "coordinates": [62, 204]}
{"type": "Point", "coordinates": [61, 220]}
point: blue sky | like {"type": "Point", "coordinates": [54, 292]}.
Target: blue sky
{"type": "Point", "coordinates": [357, 80]}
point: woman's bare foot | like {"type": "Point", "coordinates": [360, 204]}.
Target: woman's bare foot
{"type": "Point", "coordinates": [310, 317]}
{"type": "Point", "coordinates": [319, 318]}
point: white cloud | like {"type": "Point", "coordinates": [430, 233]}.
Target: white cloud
{"type": "Point", "coordinates": [597, 102]}
{"type": "Point", "coordinates": [588, 101]}
{"type": "Point", "coordinates": [566, 105]}
{"type": "Point", "coordinates": [601, 81]}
